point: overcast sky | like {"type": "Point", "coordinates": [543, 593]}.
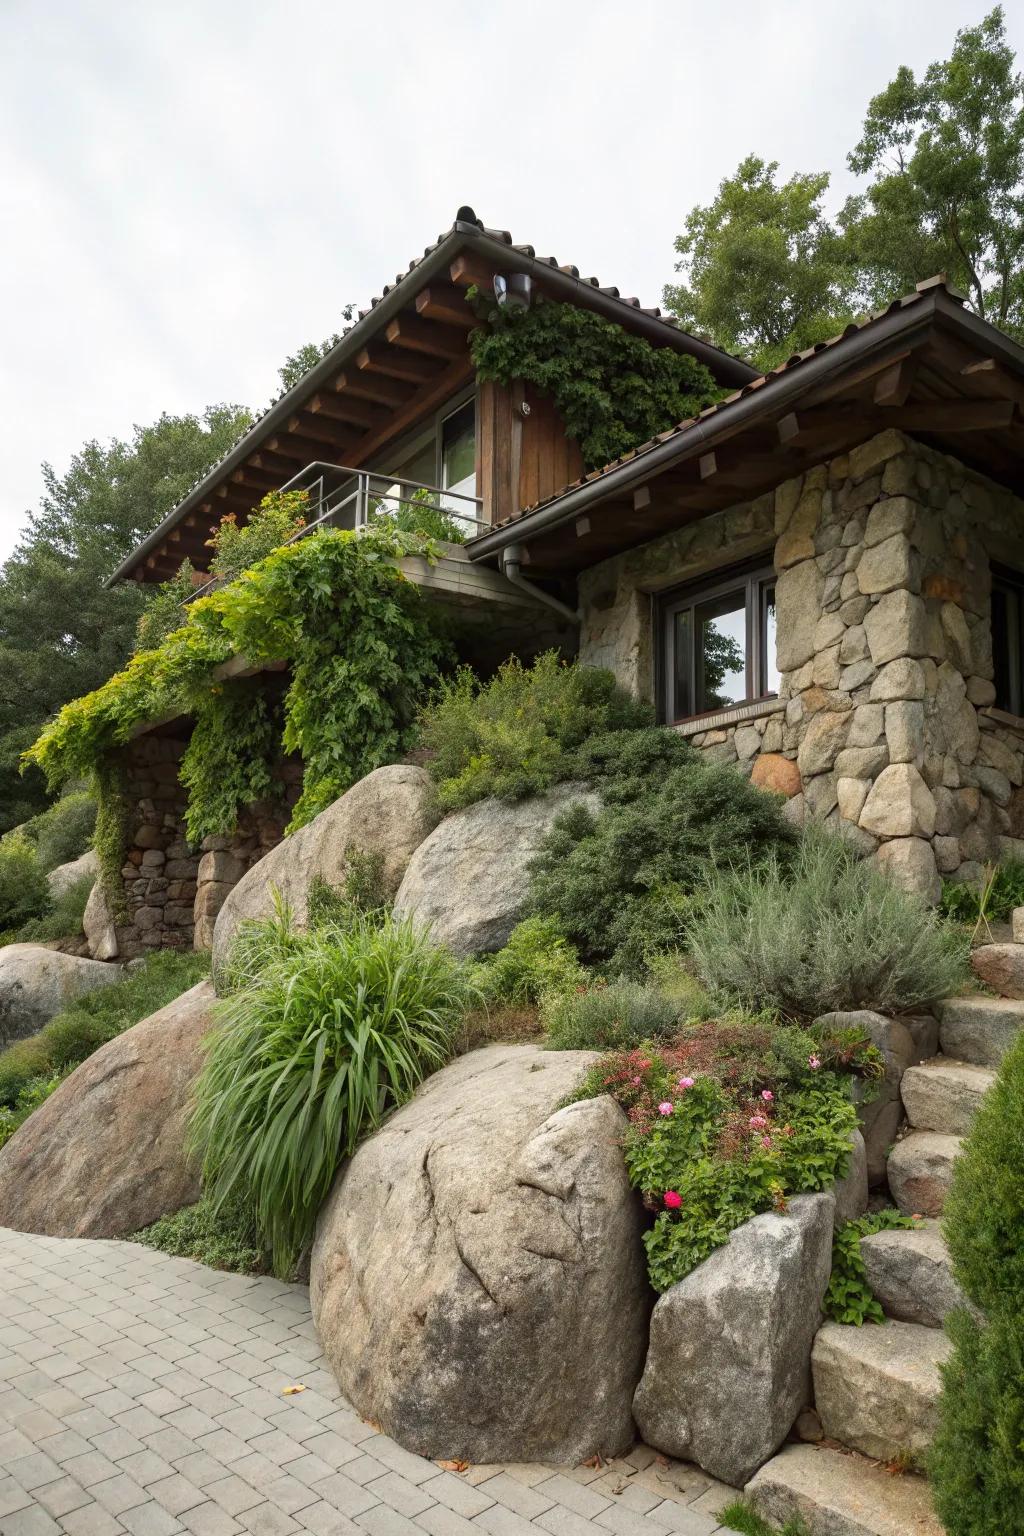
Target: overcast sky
{"type": "Point", "coordinates": [191, 190]}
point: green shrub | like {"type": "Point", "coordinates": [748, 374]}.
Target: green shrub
{"type": "Point", "coordinates": [96, 1018]}
{"type": "Point", "coordinates": [991, 900]}
{"type": "Point", "coordinates": [64, 830]}
{"type": "Point", "coordinates": [622, 879]}
{"type": "Point", "coordinates": [849, 1298]}
{"type": "Point", "coordinates": [222, 1238]}
{"type": "Point", "coordinates": [62, 921]}
{"type": "Point", "coordinates": [537, 959]}
{"type": "Point", "coordinates": [608, 1018]}
{"type": "Point", "coordinates": [24, 893]}
{"type": "Point", "coordinates": [726, 1122]}
{"type": "Point", "coordinates": [741, 1516]}
{"type": "Point", "coordinates": [977, 1464]}
{"type": "Point", "coordinates": [279, 516]}
{"type": "Point", "coordinates": [515, 735]}
{"type": "Point", "coordinates": [339, 1026]}
{"type": "Point", "coordinates": [34, 1093]}
{"type": "Point", "coordinates": [830, 931]}
{"type": "Point", "coordinates": [165, 612]}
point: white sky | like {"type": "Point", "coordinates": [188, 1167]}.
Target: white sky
{"type": "Point", "coordinates": [190, 190]}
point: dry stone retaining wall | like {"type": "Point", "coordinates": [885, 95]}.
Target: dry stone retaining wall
{"type": "Point", "coordinates": [884, 725]}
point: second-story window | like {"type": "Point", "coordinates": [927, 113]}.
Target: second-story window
{"type": "Point", "coordinates": [717, 643]}
{"type": "Point", "coordinates": [458, 450]}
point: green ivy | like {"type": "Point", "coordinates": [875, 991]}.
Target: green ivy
{"type": "Point", "coordinates": [229, 761]}
{"type": "Point", "coordinates": [110, 835]}
{"type": "Point", "coordinates": [613, 390]}
{"type": "Point", "coordinates": [849, 1298]}
{"type": "Point", "coordinates": [362, 649]}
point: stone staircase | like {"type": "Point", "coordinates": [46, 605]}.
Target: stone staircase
{"type": "Point", "coordinates": [876, 1390]}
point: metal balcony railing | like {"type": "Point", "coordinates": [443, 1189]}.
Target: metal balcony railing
{"type": "Point", "coordinates": [355, 499]}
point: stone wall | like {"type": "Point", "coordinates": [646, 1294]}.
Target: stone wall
{"type": "Point", "coordinates": [884, 726]}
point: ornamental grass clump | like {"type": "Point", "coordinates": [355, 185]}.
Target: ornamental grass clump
{"type": "Point", "coordinates": [608, 1016]}
{"type": "Point", "coordinates": [820, 932]}
{"type": "Point", "coordinates": [727, 1121]}
{"type": "Point", "coordinates": [335, 1030]}
{"type": "Point", "coordinates": [977, 1461]}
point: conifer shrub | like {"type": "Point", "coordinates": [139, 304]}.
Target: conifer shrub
{"type": "Point", "coordinates": [977, 1463]}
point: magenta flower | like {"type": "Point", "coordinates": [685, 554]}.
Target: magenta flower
{"type": "Point", "coordinates": [636, 1082]}
{"type": "Point", "coordinates": [666, 1108]}
{"type": "Point", "coordinates": [685, 1082]}
{"type": "Point", "coordinates": [672, 1200]}
{"type": "Point", "coordinates": [767, 1095]}
{"type": "Point", "coordinates": [814, 1062]}
{"type": "Point", "coordinates": [757, 1122]}
{"type": "Point", "coordinates": [766, 1141]}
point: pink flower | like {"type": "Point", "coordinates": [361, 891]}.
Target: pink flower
{"type": "Point", "coordinates": [767, 1095]}
{"type": "Point", "coordinates": [636, 1082]}
{"type": "Point", "coordinates": [672, 1200]}
{"type": "Point", "coordinates": [685, 1082]}
{"type": "Point", "coordinates": [757, 1122]}
{"type": "Point", "coordinates": [666, 1108]}
{"type": "Point", "coordinates": [814, 1062]}
{"type": "Point", "coordinates": [766, 1141]}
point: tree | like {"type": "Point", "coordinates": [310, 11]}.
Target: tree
{"type": "Point", "coordinates": [62, 632]}
{"type": "Point", "coordinates": [306, 357]}
{"type": "Point", "coordinates": [947, 154]}
{"type": "Point", "coordinates": [764, 272]}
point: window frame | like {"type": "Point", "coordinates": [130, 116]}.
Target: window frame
{"type": "Point", "coordinates": [1009, 582]}
{"type": "Point", "coordinates": [754, 578]}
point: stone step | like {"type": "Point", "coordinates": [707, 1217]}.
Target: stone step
{"type": "Point", "coordinates": [839, 1494]}
{"type": "Point", "coordinates": [911, 1275]}
{"type": "Point", "coordinates": [920, 1170]}
{"type": "Point", "coordinates": [876, 1389]}
{"type": "Point", "coordinates": [1001, 967]}
{"type": "Point", "coordinates": [979, 1029]}
{"type": "Point", "coordinates": [943, 1094]}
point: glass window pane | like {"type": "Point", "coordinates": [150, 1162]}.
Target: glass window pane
{"type": "Point", "coordinates": [682, 633]}
{"type": "Point", "coordinates": [721, 632]}
{"type": "Point", "coordinates": [458, 451]}
{"type": "Point", "coordinates": [770, 683]}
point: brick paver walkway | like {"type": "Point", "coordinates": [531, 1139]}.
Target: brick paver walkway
{"type": "Point", "coordinates": [143, 1394]}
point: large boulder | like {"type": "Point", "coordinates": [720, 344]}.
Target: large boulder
{"type": "Point", "coordinates": [98, 925]}
{"type": "Point", "coordinates": [880, 1107]}
{"type": "Point", "coordinates": [877, 1389]}
{"type": "Point", "coordinates": [469, 880]}
{"type": "Point", "coordinates": [387, 813]}
{"type": "Point", "coordinates": [36, 983]}
{"type": "Point", "coordinates": [66, 876]}
{"type": "Point", "coordinates": [478, 1279]}
{"type": "Point", "coordinates": [728, 1368]}
{"type": "Point", "coordinates": [910, 1274]}
{"type": "Point", "coordinates": [104, 1154]}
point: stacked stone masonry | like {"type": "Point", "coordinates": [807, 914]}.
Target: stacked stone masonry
{"type": "Point", "coordinates": [885, 727]}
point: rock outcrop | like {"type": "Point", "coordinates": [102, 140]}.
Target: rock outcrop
{"type": "Point", "coordinates": [387, 813]}
{"type": "Point", "coordinates": [478, 1280]}
{"type": "Point", "coordinates": [66, 876]}
{"type": "Point", "coordinates": [880, 1105]}
{"type": "Point", "coordinates": [104, 1154]}
{"type": "Point", "coordinates": [36, 983]}
{"type": "Point", "coordinates": [468, 881]}
{"type": "Point", "coordinates": [727, 1369]}
{"type": "Point", "coordinates": [98, 925]}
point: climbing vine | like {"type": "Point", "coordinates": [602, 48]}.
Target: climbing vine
{"type": "Point", "coordinates": [613, 390]}
{"type": "Point", "coordinates": [362, 650]}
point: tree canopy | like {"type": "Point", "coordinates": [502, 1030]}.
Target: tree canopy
{"type": "Point", "coordinates": [766, 272]}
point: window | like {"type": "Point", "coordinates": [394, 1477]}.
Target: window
{"type": "Point", "coordinates": [718, 643]}
{"type": "Point", "coordinates": [1008, 638]}
{"type": "Point", "coordinates": [442, 456]}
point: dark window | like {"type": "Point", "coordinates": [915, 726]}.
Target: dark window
{"type": "Point", "coordinates": [718, 643]}
{"type": "Point", "coordinates": [1008, 638]}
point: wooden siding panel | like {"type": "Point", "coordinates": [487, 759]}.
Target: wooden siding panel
{"type": "Point", "coordinates": [550, 460]}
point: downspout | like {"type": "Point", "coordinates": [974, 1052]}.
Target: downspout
{"type": "Point", "coordinates": [511, 562]}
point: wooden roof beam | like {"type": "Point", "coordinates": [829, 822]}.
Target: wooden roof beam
{"type": "Point", "coordinates": [305, 450]}
{"type": "Point", "coordinates": [1004, 385]}
{"type": "Point", "coordinates": [417, 335]}
{"type": "Point", "coordinates": [338, 408]}
{"type": "Point", "coordinates": [444, 385]}
{"type": "Point", "coordinates": [446, 303]}
{"type": "Point", "coordinates": [469, 271]}
{"type": "Point", "coordinates": [371, 386]}
{"type": "Point", "coordinates": [395, 363]}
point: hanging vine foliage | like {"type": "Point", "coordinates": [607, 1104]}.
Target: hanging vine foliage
{"type": "Point", "coordinates": [362, 649]}
{"type": "Point", "coordinates": [612, 390]}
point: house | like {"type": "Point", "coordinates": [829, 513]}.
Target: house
{"type": "Point", "coordinates": [820, 577]}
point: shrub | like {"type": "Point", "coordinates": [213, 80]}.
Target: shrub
{"type": "Point", "coordinates": [622, 879]}
{"type": "Point", "coordinates": [977, 1466]}
{"type": "Point", "coordinates": [224, 1238]}
{"type": "Point", "coordinates": [339, 1027]}
{"type": "Point", "coordinates": [96, 1018]}
{"type": "Point", "coordinates": [64, 830]}
{"type": "Point", "coordinates": [829, 932]}
{"type": "Point", "coordinates": [991, 900]}
{"type": "Point", "coordinates": [165, 612]}
{"type": "Point", "coordinates": [279, 516]}
{"type": "Point", "coordinates": [726, 1122]}
{"type": "Point", "coordinates": [24, 893]}
{"type": "Point", "coordinates": [849, 1298]}
{"type": "Point", "coordinates": [35, 1091]}
{"type": "Point", "coordinates": [515, 735]}
{"type": "Point", "coordinates": [537, 959]}
{"type": "Point", "coordinates": [62, 921]}
{"type": "Point", "coordinates": [609, 1017]}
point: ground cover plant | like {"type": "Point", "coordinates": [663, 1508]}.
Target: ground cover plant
{"type": "Point", "coordinates": [622, 880]}
{"type": "Point", "coordinates": [516, 734]}
{"type": "Point", "coordinates": [743, 1517]}
{"type": "Point", "coordinates": [606, 1016]}
{"type": "Point", "coordinates": [728, 1120]}
{"type": "Point", "coordinates": [328, 1031]}
{"type": "Point", "coordinates": [223, 1238]}
{"type": "Point", "coordinates": [537, 961]}
{"type": "Point", "coordinates": [849, 1298]}
{"type": "Point", "coordinates": [27, 1099]}
{"type": "Point", "coordinates": [818, 931]}
{"type": "Point", "coordinates": [977, 1460]}
{"type": "Point", "coordinates": [94, 1019]}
